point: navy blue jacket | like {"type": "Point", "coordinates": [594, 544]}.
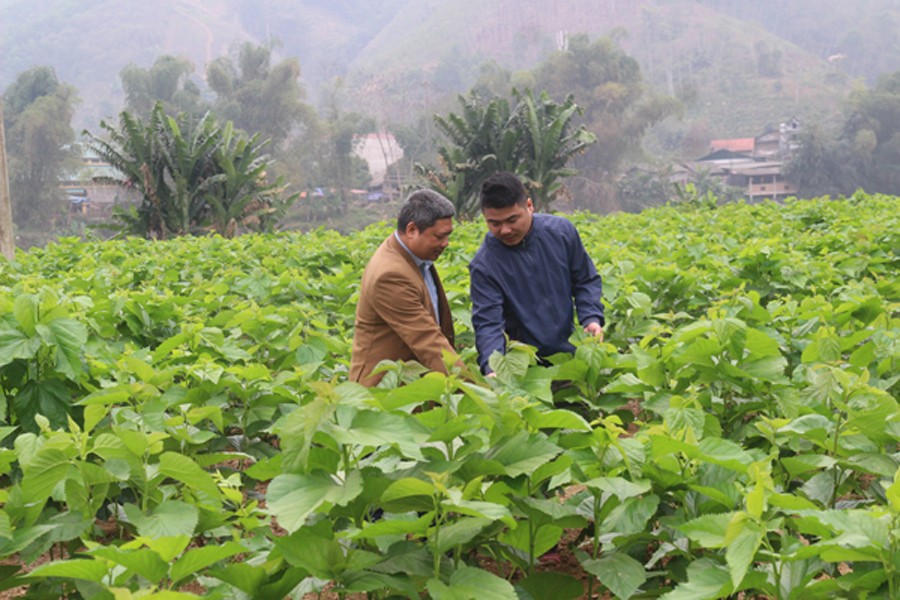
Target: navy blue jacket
{"type": "Point", "coordinates": [527, 290]}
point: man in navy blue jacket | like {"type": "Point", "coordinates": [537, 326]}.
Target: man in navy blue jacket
{"type": "Point", "coordinates": [528, 274]}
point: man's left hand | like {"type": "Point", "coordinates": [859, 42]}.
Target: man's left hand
{"type": "Point", "coordinates": [594, 329]}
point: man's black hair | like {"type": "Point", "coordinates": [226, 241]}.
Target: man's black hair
{"type": "Point", "coordinates": [502, 190]}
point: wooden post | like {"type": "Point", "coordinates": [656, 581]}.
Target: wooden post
{"type": "Point", "coordinates": [7, 245]}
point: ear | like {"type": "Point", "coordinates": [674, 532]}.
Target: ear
{"type": "Point", "coordinates": [529, 205]}
{"type": "Point", "coordinates": [411, 229]}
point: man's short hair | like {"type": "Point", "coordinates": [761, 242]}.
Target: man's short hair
{"type": "Point", "coordinates": [502, 190]}
{"type": "Point", "coordinates": [424, 208]}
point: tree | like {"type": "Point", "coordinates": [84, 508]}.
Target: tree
{"type": "Point", "coordinates": [617, 107]}
{"type": "Point", "coordinates": [167, 81]}
{"type": "Point", "coordinates": [211, 180]}
{"type": "Point", "coordinates": [550, 144]}
{"type": "Point", "coordinates": [872, 129]}
{"type": "Point", "coordinates": [865, 153]}
{"type": "Point", "coordinates": [323, 152]}
{"type": "Point", "coordinates": [7, 246]}
{"type": "Point", "coordinates": [823, 166]}
{"type": "Point", "coordinates": [481, 140]}
{"type": "Point", "coordinates": [39, 139]}
{"type": "Point", "coordinates": [257, 96]}
{"type": "Point", "coordinates": [535, 139]}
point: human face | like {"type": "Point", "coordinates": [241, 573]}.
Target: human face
{"type": "Point", "coordinates": [510, 225]}
{"type": "Point", "coordinates": [429, 243]}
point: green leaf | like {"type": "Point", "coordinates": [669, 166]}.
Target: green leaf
{"type": "Point", "coordinates": [709, 530]}
{"type": "Point", "coordinates": [725, 453]}
{"type": "Point", "coordinates": [760, 344]}
{"type": "Point", "coordinates": [461, 532]}
{"type": "Point", "coordinates": [524, 452]}
{"type": "Point", "coordinates": [619, 487]}
{"type": "Point", "coordinates": [513, 364]}
{"type": "Point", "coordinates": [15, 344]}
{"type": "Point", "coordinates": [395, 525]}
{"type": "Point", "coordinates": [618, 572]}
{"type": "Point", "coordinates": [541, 586]}
{"type": "Point", "coordinates": [25, 310]}
{"type": "Point", "coordinates": [406, 487]}
{"type": "Point", "coordinates": [315, 550]}
{"type": "Point", "coordinates": [547, 510]}
{"type": "Point", "coordinates": [631, 516]}
{"type": "Point", "coordinates": [371, 428]}
{"type": "Point", "coordinates": [245, 577]}
{"type": "Point", "coordinates": [293, 498]}
{"type": "Point", "coordinates": [555, 419]}
{"type": "Point", "coordinates": [770, 368]}
{"type": "Point", "coordinates": [6, 531]}
{"type": "Point", "coordinates": [469, 583]}
{"type": "Point", "coordinates": [43, 472]}
{"type": "Point", "coordinates": [478, 508]}
{"type": "Point", "coordinates": [68, 337]}
{"type": "Point", "coordinates": [142, 561]}
{"type": "Point", "coordinates": [77, 568]}
{"type": "Point", "coordinates": [50, 398]}
{"type": "Point", "coordinates": [421, 390]}
{"type": "Point", "coordinates": [166, 547]}
{"type": "Point", "coordinates": [893, 493]}
{"type": "Point", "coordinates": [546, 537]}
{"type": "Point", "coordinates": [182, 468]}
{"type": "Point", "coordinates": [706, 581]}
{"type": "Point", "coordinates": [169, 519]}
{"type": "Point", "coordinates": [197, 559]}
{"type": "Point", "coordinates": [741, 550]}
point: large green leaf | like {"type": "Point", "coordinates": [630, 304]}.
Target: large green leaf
{"type": "Point", "coordinates": [706, 581]}
{"type": "Point", "coordinates": [618, 572]}
{"type": "Point", "coordinates": [196, 560]}
{"type": "Point", "coordinates": [184, 469]}
{"type": "Point", "coordinates": [293, 498]}
{"type": "Point", "coordinates": [141, 561]}
{"type": "Point", "coordinates": [50, 398]}
{"type": "Point", "coordinates": [523, 453]}
{"type": "Point", "coordinates": [43, 472]}
{"type": "Point", "coordinates": [170, 518]}
{"type": "Point", "coordinates": [371, 428]}
{"type": "Point", "coordinates": [708, 530]}
{"type": "Point", "coordinates": [741, 551]}
{"type": "Point", "coordinates": [469, 583]}
{"type": "Point", "coordinates": [461, 532]}
{"type": "Point", "coordinates": [76, 568]}
{"type": "Point", "coordinates": [15, 344]}
{"type": "Point", "coordinates": [541, 585]}
{"type": "Point", "coordinates": [631, 516]}
{"type": "Point", "coordinates": [68, 337]}
{"type": "Point", "coordinates": [245, 577]}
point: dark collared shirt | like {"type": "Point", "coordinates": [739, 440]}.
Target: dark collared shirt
{"type": "Point", "coordinates": [528, 290]}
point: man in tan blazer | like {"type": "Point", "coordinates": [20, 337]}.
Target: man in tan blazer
{"type": "Point", "coordinates": [402, 312]}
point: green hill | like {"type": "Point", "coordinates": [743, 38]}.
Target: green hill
{"type": "Point", "coordinates": [739, 66]}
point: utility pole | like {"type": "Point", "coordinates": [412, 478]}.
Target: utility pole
{"type": "Point", "coordinates": [7, 246]}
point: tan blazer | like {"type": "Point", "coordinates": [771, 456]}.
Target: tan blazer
{"type": "Point", "coordinates": [395, 316]}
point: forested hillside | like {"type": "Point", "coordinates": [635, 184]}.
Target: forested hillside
{"type": "Point", "coordinates": [739, 66]}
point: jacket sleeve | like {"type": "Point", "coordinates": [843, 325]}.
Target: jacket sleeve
{"type": "Point", "coordinates": [487, 316]}
{"type": "Point", "coordinates": [396, 299]}
{"type": "Point", "coordinates": [587, 286]}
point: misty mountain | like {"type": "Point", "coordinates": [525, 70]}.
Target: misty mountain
{"type": "Point", "coordinates": [738, 66]}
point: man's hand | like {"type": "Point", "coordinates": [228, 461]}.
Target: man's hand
{"type": "Point", "coordinates": [594, 329]}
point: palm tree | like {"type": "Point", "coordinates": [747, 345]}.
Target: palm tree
{"type": "Point", "coordinates": [210, 180]}
{"type": "Point", "coordinates": [548, 144]}
{"type": "Point", "coordinates": [533, 140]}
